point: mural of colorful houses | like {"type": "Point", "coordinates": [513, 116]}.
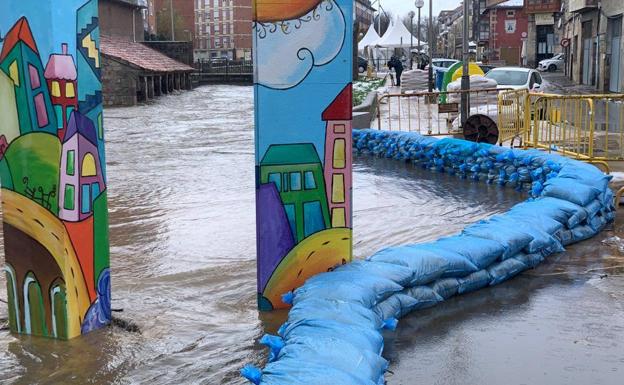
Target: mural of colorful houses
{"type": "Point", "coordinates": [61, 77]}
{"type": "Point", "coordinates": [52, 171]}
{"type": "Point", "coordinates": [303, 143]}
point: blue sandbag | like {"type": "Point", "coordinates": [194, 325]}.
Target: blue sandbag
{"type": "Point", "coordinates": [582, 232]}
{"type": "Point", "coordinates": [397, 306]}
{"type": "Point", "coordinates": [474, 281]}
{"type": "Point", "coordinates": [504, 270]}
{"type": "Point", "coordinates": [593, 208]}
{"type": "Point", "coordinates": [562, 211]}
{"type": "Point", "coordinates": [543, 242]}
{"type": "Point", "coordinates": [425, 296]}
{"type": "Point", "coordinates": [586, 174]}
{"type": "Point", "coordinates": [597, 223]}
{"type": "Point", "coordinates": [366, 291]}
{"type": "Point", "coordinates": [359, 336]}
{"type": "Point", "coordinates": [482, 252]}
{"type": "Point", "coordinates": [396, 273]}
{"type": "Point", "coordinates": [425, 265]}
{"type": "Point", "coordinates": [570, 190]}
{"type": "Point", "coordinates": [345, 312]}
{"type": "Point", "coordinates": [446, 287]}
{"type": "Point", "coordinates": [336, 353]}
{"type": "Point", "coordinates": [530, 260]}
{"type": "Point", "coordinates": [291, 371]}
{"type": "Point", "coordinates": [513, 240]}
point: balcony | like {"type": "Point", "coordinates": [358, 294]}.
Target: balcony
{"type": "Point", "coordinates": [542, 6]}
{"type": "Point", "coordinates": [583, 5]}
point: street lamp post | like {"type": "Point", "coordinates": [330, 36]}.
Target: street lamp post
{"type": "Point", "coordinates": [419, 4]}
{"type": "Point", "coordinates": [411, 15]}
{"type": "Point", "coordinates": [430, 45]}
{"type": "Point", "coordinates": [465, 80]}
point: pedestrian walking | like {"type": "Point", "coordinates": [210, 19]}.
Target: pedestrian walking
{"type": "Point", "coordinates": [395, 63]}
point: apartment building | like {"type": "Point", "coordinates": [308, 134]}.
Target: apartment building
{"type": "Point", "coordinates": [223, 29]}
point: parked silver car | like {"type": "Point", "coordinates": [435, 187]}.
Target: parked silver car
{"type": "Point", "coordinates": [553, 64]}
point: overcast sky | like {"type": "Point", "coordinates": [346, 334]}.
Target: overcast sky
{"type": "Point", "coordinates": [402, 7]}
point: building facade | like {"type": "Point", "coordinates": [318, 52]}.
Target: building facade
{"type": "Point", "coordinates": [223, 29]}
{"type": "Point", "coordinates": [544, 30]}
{"type": "Point", "coordinates": [122, 18]}
{"type": "Point", "coordinates": [503, 31]}
{"type": "Point", "coordinates": [364, 15]}
{"type": "Point", "coordinates": [183, 15]}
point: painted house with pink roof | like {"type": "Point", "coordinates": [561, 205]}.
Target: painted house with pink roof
{"type": "Point", "coordinates": [338, 158]}
{"type": "Point", "coordinates": [61, 75]}
{"type": "Point", "coordinates": [81, 172]}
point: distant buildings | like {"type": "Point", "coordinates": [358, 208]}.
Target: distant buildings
{"type": "Point", "coordinates": [502, 33]}
{"type": "Point", "coordinates": [223, 29]}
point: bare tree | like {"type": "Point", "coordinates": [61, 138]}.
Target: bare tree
{"type": "Point", "coordinates": [386, 19]}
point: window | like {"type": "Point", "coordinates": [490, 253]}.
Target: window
{"type": "Point", "coordinates": [68, 112]}
{"type": "Point", "coordinates": [339, 153]}
{"type": "Point", "coordinates": [70, 91]}
{"type": "Point", "coordinates": [290, 213]}
{"type": "Point", "coordinates": [58, 111]}
{"type": "Point", "coordinates": [70, 196]}
{"type": "Point", "coordinates": [295, 181]}
{"type": "Point", "coordinates": [276, 179]}
{"type": "Point", "coordinates": [85, 206]}
{"type": "Point", "coordinates": [511, 13]}
{"type": "Point", "coordinates": [88, 165]}
{"type": "Point", "coordinates": [339, 218]}
{"type": "Point", "coordinates": [338, 189]}
{"type": "Point", "coordinates": [313, 221]}
{"type": "Point", "coordinates": [309, 181]}
{"type": "Point", "coordinates": [70, 167]}
{"type": "Point", "coordinates": [285, 182]}
{"type": "Point", "coordinates": [14, 73]}
{"type": "Point", "coordinates": [95, 190]}
{"type": "Point", "coordinates": [100, 126]}
{"type": "Point", "coordinates": [339, 129]}
{"type": "Point", "coordinates": [42, 113]}
{"type": "Point", "coordinates": [34, 310]}
{"type": "Point", "coordinates": [35, 82]}
{"type": "Point", "coordinates": [56, 89]}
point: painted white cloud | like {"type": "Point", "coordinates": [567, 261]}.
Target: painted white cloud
{"type": "Point", "coordinates": [286, 53]}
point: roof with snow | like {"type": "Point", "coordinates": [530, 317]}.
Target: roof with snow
{"type": "Point", "coordinates": [61, 66]}
{"type": "Point", "coordinates": [510, 3]}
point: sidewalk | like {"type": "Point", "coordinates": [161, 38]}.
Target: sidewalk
{"type": "Point", "coordinates": [558, 83]}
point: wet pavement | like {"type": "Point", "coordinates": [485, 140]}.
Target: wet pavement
{"type": "Point", "coordinates": [183, 269]}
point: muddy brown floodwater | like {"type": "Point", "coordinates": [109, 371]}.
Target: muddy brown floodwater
{"type": "Point", "coordinates": [181, 197]}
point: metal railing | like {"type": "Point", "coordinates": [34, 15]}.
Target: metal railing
{"type": "Point", "coordinates": [432, 113]}
{"type": "Point", "coordinates": [512, 106]}
{"type": "Point", "coordinates": [224, 67]}
{"type": "Point", "coordinates": [584, 127]}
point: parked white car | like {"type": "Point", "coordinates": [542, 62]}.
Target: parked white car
{"type": "Point", "coordinates": [552, 64]}
{"type": "Point", "coordinates": [517, 78]}
{"type": "Point", "coordinates": [442, 64]}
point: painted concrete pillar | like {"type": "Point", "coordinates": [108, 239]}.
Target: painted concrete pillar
{"type": "Point", "coordinates": [52, 168]}
{"type": "Point", "coordinates": [302, 77]}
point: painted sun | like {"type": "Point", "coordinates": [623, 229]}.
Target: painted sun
{"type": "Point", "coordinates": [276, 10]}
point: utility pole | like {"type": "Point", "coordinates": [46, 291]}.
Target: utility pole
{"type": "Point", "coordinates": [411, 15]}
{"type": "Point", "coordinates": [172, 27]}
{"type": "Point", "coordinates": [430, 45]}
{"type": "Point", "coordinates": [419, 4]}
{"type": "Point", "coordinates": [465, 81]}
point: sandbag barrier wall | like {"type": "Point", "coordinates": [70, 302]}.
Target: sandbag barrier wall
{"type": "Point", "coordinates": [334, 330]}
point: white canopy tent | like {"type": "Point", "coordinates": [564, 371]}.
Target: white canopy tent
{"type": "Point", "coordinates": [397, 36]}
{"type": "Point", "coordinates": [369, 39]}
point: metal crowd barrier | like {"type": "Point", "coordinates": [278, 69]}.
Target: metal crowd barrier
{"type": "Point", "coordinates": [433, 113]}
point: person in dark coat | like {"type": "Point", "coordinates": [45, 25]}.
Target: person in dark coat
{"type": "Point", "coordinates": [396, 64]}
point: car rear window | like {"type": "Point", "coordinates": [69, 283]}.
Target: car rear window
{"type": "Point", "coordinates": [508, 77]}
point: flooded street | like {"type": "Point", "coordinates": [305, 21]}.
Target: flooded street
{"type": "Point", "coordinates": [182, 213]}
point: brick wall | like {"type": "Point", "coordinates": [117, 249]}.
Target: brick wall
{"type": "Point", "coordinates": [116, 19]}
{"type": "Point", "coordinates": [119, 83]}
